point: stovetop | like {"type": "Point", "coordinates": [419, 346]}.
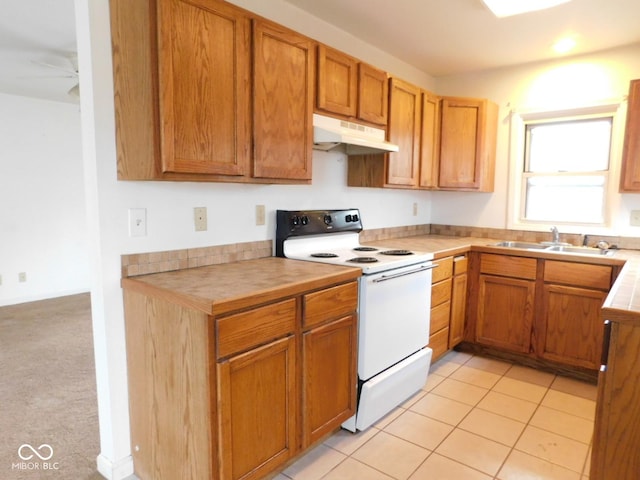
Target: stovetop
{"type": "Point", "coordinates": [332, 236]}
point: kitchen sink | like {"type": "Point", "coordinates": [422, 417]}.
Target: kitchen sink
{"type": "Point", "coordinates": [526, 245]}
{"type": "Point", "coordinates": [555, 247]}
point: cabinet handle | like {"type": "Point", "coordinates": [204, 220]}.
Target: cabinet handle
{"type": "Point", "coordinates": [606, 341]}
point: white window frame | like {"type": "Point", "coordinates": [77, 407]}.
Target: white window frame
{"type": "Point", "coordinates": [517, 187]}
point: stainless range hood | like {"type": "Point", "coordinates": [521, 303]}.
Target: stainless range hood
{"type": "Point", "coordinates": [358, 139]}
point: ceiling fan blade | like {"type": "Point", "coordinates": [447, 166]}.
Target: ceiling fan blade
{"type": "Point", "coordinates": [57, 67]}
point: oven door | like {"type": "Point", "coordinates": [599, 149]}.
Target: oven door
{"type": "Point", "coordinates": [394, 317]}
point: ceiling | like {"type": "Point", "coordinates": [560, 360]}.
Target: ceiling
{"type": "Point", "coordinates": [439, 37]}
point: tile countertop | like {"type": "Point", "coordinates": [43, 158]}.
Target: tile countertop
{"type": "Point", "coordinates": [223, 288]}
{"type": "Point", "coordinates": [621, 305]}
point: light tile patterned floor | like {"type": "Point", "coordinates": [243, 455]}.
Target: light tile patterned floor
{"type": "Point", "coordinates": [476, 419]}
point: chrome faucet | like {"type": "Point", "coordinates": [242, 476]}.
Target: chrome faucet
{"type": "Point", "coordinates": [556, 234]}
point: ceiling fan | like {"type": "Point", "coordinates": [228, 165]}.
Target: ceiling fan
{"type": "Point", "coordinates": [70, 70]}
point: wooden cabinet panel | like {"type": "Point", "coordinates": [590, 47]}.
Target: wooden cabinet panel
{"type": "Point", "coordinates": [258, 413]}
{"type": "Point", "coordinates": [337, 86]}
{"type": "Point", "coordinates": [440, 292]}
{"type": "Point", "coordinates": [578, 274]}
{"type": "Point", "coordinates": [404, 130]}
{"type": "Point", "coordinates": [467, 144]}
{"type": "Point", "coordinates": [571, 331]}
{"type": "Point", "coordinates": [430, 141]}
{"type": "Point", "coordinates": [444, 269]}
{"type": "Point", "coordinates": [283, 63]}
{"type": "Point", "coordinates": [373, 94]}
{"type": "Point", "coordinates": [248, 329]}
{"type": "Point", "coordinates": [203, 53]}
{"type": "Point", "coordinates": [329, 377]}
{"type": "Point", "coordinates": [329, 303]}
{"type": "Point", "coordinates": [616, 434]}
{"type": "Point", "coordinates": [630, 173]}
{"type": "Point", "coordinates": [438, 343]}
{"type": "Point", "coordinates": [440, 317]}
{"type": "Point", "coordinates": [505, 312]}
{"type": "Point", "coordinates": [458, 306]}
{"type": "Point", "coordinates": [508, 266]}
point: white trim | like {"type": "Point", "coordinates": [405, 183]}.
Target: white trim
{"type": "Point", "coordinates": [120, 470]}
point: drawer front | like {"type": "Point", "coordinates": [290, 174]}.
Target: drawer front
{"type": "Point", "coordinates": [246, 330]}
{"type": "Point", "coordinates": [508, 266]}
{"type": "Point", "coordinates": [443, 270]}
{"type": "Point", "coordinates": [330, 303]}
{"type": "Point", "coordinates": [460, 264]}
{"type": "Point", "coordinates": [439, 343]}
{"type": "Point", "coordinates": [439, 317]}
{"type": "Point", "coordinates": [578, 274]}
{"type": "Point", "coordinates": [441, 292]}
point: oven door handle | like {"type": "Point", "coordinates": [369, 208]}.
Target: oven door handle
{"type": "Point", "coordinates": [384, 278]}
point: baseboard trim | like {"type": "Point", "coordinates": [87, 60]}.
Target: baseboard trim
{"type": "Point", "coordinates": [120, 470]}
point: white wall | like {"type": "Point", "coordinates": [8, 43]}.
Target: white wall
{"type": "Point", "coordinates": [42, 216]}
{"type": "Point", "coordinates": [549, 85]}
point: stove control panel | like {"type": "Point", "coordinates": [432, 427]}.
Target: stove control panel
{"type": "Point", "coordinates": [298, 223]}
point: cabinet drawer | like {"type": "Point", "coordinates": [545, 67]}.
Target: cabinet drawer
{"type": "Point", "coordinates": [330, 303]}
{"type": "Point", "coordinates": [443, 270]}
{"type": "Point", "coordinates": [245, 330]}
{"type": "Point", "coordinates": [439, 343]}
{"type": "Point", "coordinates": [440, 317]}
{"type": "Point", "coordinates": [460, 264]}
{"type": "Point", "coordinates": [508, 266]}
{"type": "Point", "coordinates": [578, 274]}
{"type": "Point", "coordinates": [441, 292]}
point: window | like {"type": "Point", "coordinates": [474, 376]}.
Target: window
{"type": "Point", "coordinates": [566, 168]}
{"type": "Point", "coordinates": [561, 168]}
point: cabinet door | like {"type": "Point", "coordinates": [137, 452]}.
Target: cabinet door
{"type": "Point", "coordinates": [458, 309]}
{"type": "Point", "coordinates": [505, 312]}
{"type": "Point", "coordinates": [571, 330]}
{"type": "Point", "coordinates": [467, 144]}
{"type": "Point", "coordinates": [257, 404]}
{"type": "Point", "coordinates": [204, 64]}
{"type": "Point", "coordinates": [404, 131]}
{"type": "Point", "coordinates": [282, 102]}
{"type": "Point", "coordinates": [337, 85]}
{"type": "Point", "coordinates": [329, 377]}
{"type": "Point", "coordinates": [630, 174]}
{"type": "Point", "coordinates": [373, 94]}
{"type": "Point", "coordinates": [430, 140]}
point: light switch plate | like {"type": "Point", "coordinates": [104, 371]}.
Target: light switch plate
{"type": "Point", "coordinates": [635, 218]}
{"type": "Point", "coordinates": [200, 218]}
{"type": "Point", "coordinates": [137, 222]}
{"type": "Point", "coordinates": [260, 215]}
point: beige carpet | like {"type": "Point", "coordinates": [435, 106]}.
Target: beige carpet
{"type": "Point", "coordinates": [48, 391]}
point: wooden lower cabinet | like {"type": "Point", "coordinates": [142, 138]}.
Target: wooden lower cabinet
{"type": "Point", "coordinates": [458, 300]}
{"type": "Point", "coordinates": [236, 396]}
{"type": "Point", "coordinates": [505, 312]}
{"type": "Point", "coordinates": [258, 410]}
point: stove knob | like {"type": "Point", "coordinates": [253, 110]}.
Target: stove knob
{"type": "Point", "coordinates": [348, 218]}
{"type": "Point", "coordinates": [327, 219]}
{"type": "Point", "coordinates": [304, 220]}
{"type": "Point", "coordinates": [295, 221]}
{"type": "Point", "coordinates": [355, 217]}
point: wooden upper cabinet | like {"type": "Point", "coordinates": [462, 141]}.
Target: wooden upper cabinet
{"type": "Point", "coordinates": [630, 175]}
{"type": "Point", "coordinates": [373, 94]}
{"type": "Point", "coordinates": [405, 106]}
{"type": "Point", "coordinates": [467, 144]}
{"type": "Point", "coordinates": [337, 86]}
{"type": "Point", "coordinates": [349, 88]}
{"type": "Point", "coordinates": [203, 57]}
{"type": "Point", "coordinates": [430, 140]}
{"type": "Point", "coordinates": [283, 64]}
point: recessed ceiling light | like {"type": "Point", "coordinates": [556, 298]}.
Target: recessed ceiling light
{"type": "Point", "coordinates": [564, 45]}
{"type": "Point", "coordinates": [507, 8]}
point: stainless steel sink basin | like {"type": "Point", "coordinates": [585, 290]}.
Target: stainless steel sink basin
{"type": "Point", "coordinates": [526, 245]}
{"type": "Point", "coordinates": [555, 247]}
{"type": "Point", "coordinates": [581, 250]}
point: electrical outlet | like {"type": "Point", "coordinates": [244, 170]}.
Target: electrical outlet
{"type": "Point", "coordinates": [22, 277]}
{"type": "Point", "coordinates": [635, 218]}
{"type": "Point", "coordinates": [137, 222]}
{"type": "Point", "coordinates": [415, 208]}
{"type": "Point", "coordinates": [260, 215]}
{"type": "Point", "coordinates": [200, 218]}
